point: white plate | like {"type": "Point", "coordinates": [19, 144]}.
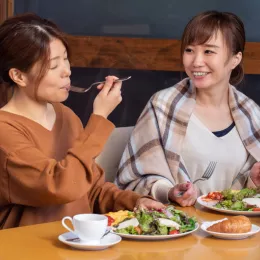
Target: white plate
{"type": "Point", "coordinates": [210, 205]}
{"type": "Point", "coordinates": [156, 237]}
{"type": "Point", "coordinates": [107, 241]}
{"type": "Point", "coordinates": [255, 229]}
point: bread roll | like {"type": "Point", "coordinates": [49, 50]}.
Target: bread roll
{"type": "Point", "coordinates": [237, 224]}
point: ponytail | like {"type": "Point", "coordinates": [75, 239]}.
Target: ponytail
{"type": "Point", "coordinates": [237, 75]}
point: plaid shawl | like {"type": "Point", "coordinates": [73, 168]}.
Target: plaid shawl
{"type": "Point", "coordinates": [153, 151]}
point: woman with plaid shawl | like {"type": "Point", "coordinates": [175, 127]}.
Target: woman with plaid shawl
{"type": "Point", "coordinates": [201, 119]}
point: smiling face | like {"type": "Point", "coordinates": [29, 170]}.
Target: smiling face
{"type": "Point", "coordinates": [210, 64]}
{"type": "Point", "coordinates": [55, 85]}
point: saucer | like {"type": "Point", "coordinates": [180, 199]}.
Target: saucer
{"type": "Point", "coordinates": [107, 241]}
{"type": "Point", "coordinates": [255, 229]}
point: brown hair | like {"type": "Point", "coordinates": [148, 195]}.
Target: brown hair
{"type": "Point", "coordinates": [203, 26]}
{"type": "Point", "coordinates": [24, 40]}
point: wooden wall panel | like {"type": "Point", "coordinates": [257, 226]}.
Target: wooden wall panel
{"type": "Point", "coordinates": [6, 9]}
{"type": "Point", "coordinates": [124, 53]}
{"type": "Point", "coordinates": [10, 8]}
{"type": "Point", "coordinates": [3, 10]}
{"type": "Point", "coordinates": [140, 53]}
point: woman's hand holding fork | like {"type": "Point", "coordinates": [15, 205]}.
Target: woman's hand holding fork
{"type": "Point", "coordinates": [108, 98]}
{"type": "Point", "coordinates": [189, 191]}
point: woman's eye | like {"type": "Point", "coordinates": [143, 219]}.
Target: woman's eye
{"type": "Point", "coordinates": [209, 52]}
{"type": "Point", "coordinates": [53, 67]}
{"type": "Point", "coordinates": [188, 50]}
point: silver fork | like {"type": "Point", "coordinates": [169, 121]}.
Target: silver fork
{"type": "Point", "coordinates": [77, 239]}
{"type": "Point", "coordinates": [206, 175]}
{"type": "Point", "coordinates": [83, 90]}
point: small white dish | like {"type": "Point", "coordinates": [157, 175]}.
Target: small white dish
{"type": "Point", "coordinates": [255, 229]}
{"type": "Point", "coordinates": [107, 241]}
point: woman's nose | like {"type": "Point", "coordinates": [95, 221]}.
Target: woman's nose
{"type": "Point", "coordinates": [66, 71]}
{"type": "Point", "coordinates": [198, 60]}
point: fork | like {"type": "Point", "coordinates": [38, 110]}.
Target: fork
{"type": "Point", "coordinates": [206, 175]}
{"type": "Point", "coordinates": [83, 90]}
{"type": "Point", "coordinates": [77, 239]}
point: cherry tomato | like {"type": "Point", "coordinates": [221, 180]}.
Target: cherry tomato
{"type": "Point", "coordinates": [173, 232]}
{"type": "Point", "coordinates": [215, 195]}
{"type": "Point", "coordinates": [110, 220]}
{"type": "Point", "coordinates": [160, 210]}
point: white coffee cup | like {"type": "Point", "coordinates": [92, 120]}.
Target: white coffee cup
{"type": "Point", "coordinates": [88, 227]}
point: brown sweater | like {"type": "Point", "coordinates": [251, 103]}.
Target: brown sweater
{"type": "Point", "coordinates": [46, 175]}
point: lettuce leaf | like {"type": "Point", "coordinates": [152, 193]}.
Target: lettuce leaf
{"type": "Point", "coordinates": [188, 227]}
{"type": "Point", "coordinates": [129, 230]}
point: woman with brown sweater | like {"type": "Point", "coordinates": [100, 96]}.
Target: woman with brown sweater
{"type": "Point", "coordinates": [47, 158]}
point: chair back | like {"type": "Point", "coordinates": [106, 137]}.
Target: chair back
{"type": "Point", "coordinates": [110, 157]}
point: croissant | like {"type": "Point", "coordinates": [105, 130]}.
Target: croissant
{"type": "Point", "coordinates": [237, 224]}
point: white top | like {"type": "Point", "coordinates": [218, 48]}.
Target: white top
{"type": "Point", "coordinates": [201, 146]}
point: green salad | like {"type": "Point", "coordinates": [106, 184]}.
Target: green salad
{"type": "Point", "coordinates": [233, 200]}
{"type": "Point", "coordinates": [150, 222]}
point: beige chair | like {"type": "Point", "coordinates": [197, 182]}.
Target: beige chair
{"type": "Point", "coordinates": [110, 157]}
